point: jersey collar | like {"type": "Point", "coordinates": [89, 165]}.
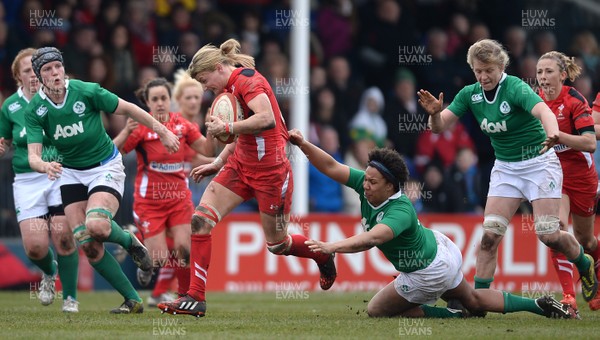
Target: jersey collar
{"type": "Point", "coordinates": [393, 197]}
{"type": "Point", "coordinates": [22, 94]}
{"type": "Point", "coordinates": [45, 97]}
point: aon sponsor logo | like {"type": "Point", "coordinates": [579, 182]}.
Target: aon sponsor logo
{"type": "Point", "coordinates": [68, 131]}
{"type": "Point", "coordinates": [493, 127]}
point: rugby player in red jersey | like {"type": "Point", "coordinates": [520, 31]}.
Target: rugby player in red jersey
{"type": "Point", "coordinates": [255, 165]}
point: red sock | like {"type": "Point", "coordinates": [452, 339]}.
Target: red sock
{"type": "Point", "coordinates": [200, 260]}
{"type": "Point", "coordinates": [166, 274]}
{"type": "Point", "coordinates": [300, 249]}
{"type": "Point", "coordinates": [564, 270]}
{"type": "Point", "coordinates": [183, 278]}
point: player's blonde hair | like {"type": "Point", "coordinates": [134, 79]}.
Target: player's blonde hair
{"type": "Point", "coordinates": [488, 51]}
{"type": "Point", "coordinates": [15, 67]}
{"type": "Point", "coordinates": [565, 63]}
{"type": "Point", "coordinates": [207, 58]}
{"type": "Point", "coordinates": [183, 81]}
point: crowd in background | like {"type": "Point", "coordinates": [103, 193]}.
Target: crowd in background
{"type": "Point", "coordinates": [367, 61]}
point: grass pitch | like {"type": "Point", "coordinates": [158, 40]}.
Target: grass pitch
{"type": "Point", "coordinates": [310, 315]}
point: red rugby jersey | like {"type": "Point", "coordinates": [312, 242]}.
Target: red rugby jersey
{"type": "Point", "coordinates": [573, 113]}
{"type": "Point", "coordinates": [160, 174]}
{"type": "Point", "coordinates": [266, 149]}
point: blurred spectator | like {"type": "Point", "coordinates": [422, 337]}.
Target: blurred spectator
{"type": "Point", "coordinates": [583, 84]}
{"type": "Point", "coordinates": [189, 44]}
{"type": "Point", "coordinates": [441, 148]}
{"type": "Point", "coordinates": [170, 29]}
{"type": "Point", "coordinates": [438, 196]}
{"type": "Point", "coordinates": [356, 157]}
{"type": "Point", "coordinates": [457, 33]}
{"type": "Point", "coordinates": [368, 117]}
{"type": "Point", "coordinates": [142, 28]}
{"type": "Point", "coordinates": [87, 12]}
{"type": "Point", "coordinates": [379, 42]}
{"type": "Point", "coordinates": [322, 113]}
{"type": "Point", "coordinates": [124, 67]}
{"type": "Point", "coordinates": [413, 190]}
{"type": "Point", "coordinates": [111, 17]}
{"type": "Point", "coordinates": [463, 178]}
{"type": "Point", "coordinates": [544, 41]}
{"type": "Point", "coordinates": [318, 79]}
{"type": "Point", "coordinates": [347, 95]}
{"type": "Point", "coordinates": [585, 47]}
{"type": "Point", "coordinates": [335, 27]}
{"type": "Point", "coordinates": [325, 194]}
{"type": "Point", "coordinates": [211, 24]}
{"type": "Point", "coordinates": [440, 74]}
{"type": "Point", "coordinates": [250, 32]}
{"type": "Point", "coordinates": [64, 12]}
{"type": "Point", "coordinates": [84, 46]}
{"type": "Point", "coordinates": [404, 117]}
{"type": "Point", "coordinates": [515, 41]}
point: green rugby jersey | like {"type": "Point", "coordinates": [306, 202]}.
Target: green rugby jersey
{"type": "Point", "coordinates": [413, 247]}
{"type": "Point", "coordinates": [12, 126]}
{"type": "Point", "coordinates": [515, 133]}
{"type": "Point", "coordinates": [75, 126]}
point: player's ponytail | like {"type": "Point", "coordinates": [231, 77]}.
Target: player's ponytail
{"type": "Point", "coordinates": [565, 64]}
{"type": "Point", "coordinates": [207, 58]}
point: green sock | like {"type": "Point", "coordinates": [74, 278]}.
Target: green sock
{"type": "Point", "coordinates": [110, 270]}
{"type": "Point", "coordinates": [581, 261]}
{"type": "Point", "coordinates": [483, 283]}
{"type": "Point", "coordinates": [46, 263]}
{"type": "Point", "coordinates": [68, 267]}
{"type": "Point", "coordinates": [119, 236]}
{"type": "Point", "coordinates": [514, 303]}
{"type": "Point", "coordinates": [440, 312]}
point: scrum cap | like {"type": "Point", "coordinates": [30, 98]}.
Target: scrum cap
{"type": "Point", "coordinates": [43, 56]}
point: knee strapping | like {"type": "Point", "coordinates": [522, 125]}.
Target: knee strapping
{"type": "Point", "coordinates": [208, 213]}
{"type": "Point", "coordinates": [98, 214]}
{"type": "Point", "coordinates": [282, 247]}
{"type": "Point", "coordinates": [495, 223]}
{"type": "Point", "coordinates": [82, 235]}
{"type": "Point", "coordinates": [546, 224]}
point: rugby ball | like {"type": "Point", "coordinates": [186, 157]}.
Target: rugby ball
{"type": "Point", "coordinates": [227, 108]}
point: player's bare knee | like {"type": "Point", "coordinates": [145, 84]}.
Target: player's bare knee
{"type": "Point", "coordinates": [91, 250]}
{"type": "Point", "coordinates": [281, 247]}
{"type": "Point", "coordinates": [66, 244]}
{"type": "Point", "coordinates": [552, 241]}
{"type": "Point", "coordinates": [36, 251]}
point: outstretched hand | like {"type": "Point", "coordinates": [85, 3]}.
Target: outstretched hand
{"type": "Point", "coordinates": [432, 105]}
{"type": "Point", "coordinates": [296, 137]}
{"type": "Point", "coordinates": [2, 146]}
{"type": "Point", "coordinates": [318, 246]}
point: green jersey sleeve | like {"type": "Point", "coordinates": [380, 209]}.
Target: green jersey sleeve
{"type": "Point", "coordinates": [524, 96]}
{"type": "Point", "coordinates": [103, 99]}
{"type": "Point", "coordinates": [5, 123]}
{"type": "Point", "coordinates": [33, 123]}
{"type": "Point", "coordinates": [461, 103]}
{"type": "Point", "coordinates": [355, 180]}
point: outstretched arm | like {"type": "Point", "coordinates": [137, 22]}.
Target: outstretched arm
{"type": "Point", "coordinates": [380, 234]}
{"type": "Point", "coordinates": [320, 159]}
{"type": "Point", "coordinates": [168, 138]}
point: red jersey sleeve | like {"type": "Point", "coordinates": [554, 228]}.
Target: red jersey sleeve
{"type": "Point", "coordinates": [133, 140]}
{"type": "Point", "coordinates": [581, 114]}
{"type": "Point", "coordinates": [596, 104]}
{"type": "Point", "coordinates": [252, 87]}
{"type": "Point", "coordinates": [193, 133]}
